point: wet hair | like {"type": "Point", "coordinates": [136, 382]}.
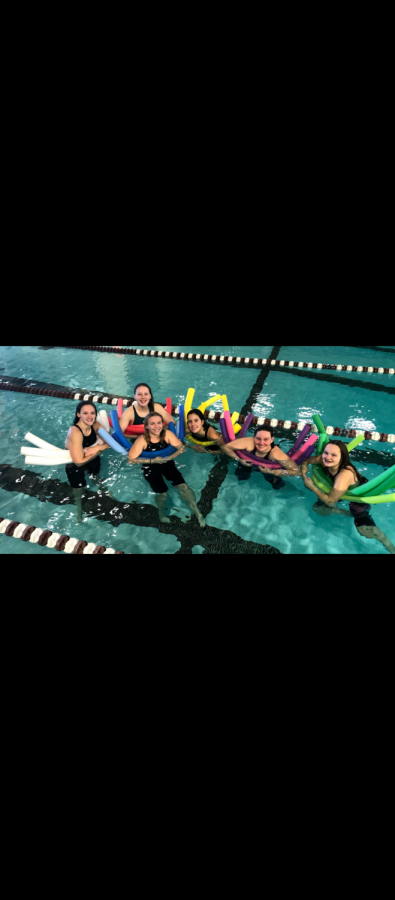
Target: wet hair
{"type": "Point", "coordinates": [80, 407]}
{"type": "Point", "coordinates": [344, 457]}
{"type": "Point", "coordinates": [196, 412]}
{"type": "Point", "coordinates": [151, 402]}
{"type": "Point", "coordinates": [146, 422]}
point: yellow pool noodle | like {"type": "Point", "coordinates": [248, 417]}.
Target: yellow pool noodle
{"type": "Point", "coordinates": [188, 402]}
{"type": "Point", "coordinates": [209, 402]}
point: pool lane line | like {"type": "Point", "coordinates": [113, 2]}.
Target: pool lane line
{"type": "Point", "coordinates": [54, 540]}
{"type": "Point", "coordinates": [238, 361]}
{"type": "Point", "coordinates": [339, 379]}
{"type": "Point", "coordinates": [221, 467]}
{"type": "Point", "coordinates": [41, 388]}
{"type": "Point", "coordinates": [103, 508]}
{"type": "Point", "coordinates": [368, 347]}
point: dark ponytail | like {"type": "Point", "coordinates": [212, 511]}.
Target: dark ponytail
{"type": "Point", "coordinates": [79, 408]}
{"type": "Point", "coordinates": [151, 402]}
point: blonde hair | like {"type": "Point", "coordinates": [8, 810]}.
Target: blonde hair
{"type": "Point", "coordinates": [146, 432]}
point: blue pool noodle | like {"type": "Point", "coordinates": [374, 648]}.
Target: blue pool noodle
{"type": "Point", "coordinates": [108, 438]}
{"type": "Point", "coordinates": [119, 443]}
{"type": "Point", "coordinates": [118, 433]}
{"type": "Point", "coordinates": [180, 430]}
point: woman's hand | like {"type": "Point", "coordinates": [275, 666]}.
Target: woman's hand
{"type": "Point", "coordinates": [308, 482]}
{"type": "Point", "coordinates": [266, 471]}
{"type": "Point", "coordinates": [245, 463]}
{"type": "Point", "coordinates": [91, 451]}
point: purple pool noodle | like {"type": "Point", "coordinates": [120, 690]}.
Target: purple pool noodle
{"type": "Point", "coordinates": [246, 425]}
{"type": "Point", "coordinates": [309, 452]}
{"type": "Point", "coordinates": [250, 457]}
{"type": "Point", "coordinates": [224, 431]}
{"type": "Point", "coordinates": [300, 440]}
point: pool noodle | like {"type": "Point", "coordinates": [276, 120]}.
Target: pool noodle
{"type": "Point", "coordinates": [188, 403]}
{"type": "Point", "coordinates": [209, 402]}
{"type": "Point", "coordinates": [300, 454]}
{"type": "Point", "coordinates": [224, 430]}
{"type": "Point", "coordinates": [39, 442]}
{"type": "Point", "coordinates": [298, 443]}
{"type": "Point", "coordinates": [120, 408]}
{"type": "Point", "coordinates": [102, 417]}
{"type": "Point", "coordinates": [118, 433]}
{"type": "Point", "coordinates": [44, 461]}
{"type": "Point", "coordinates": [375, 482]}
{"type": "Point", "coordinates": [180, 429]}
{"type": "Point", "coordinates": [229, 425]}
{"type": "Point", "coordinates": [108, 438]}
{"type": "Point", "coordinates": [323, 483]}
{"type": "Point", "coordinates": [246, 425]}
{"type": "Point", "coordinates": [36, 451]}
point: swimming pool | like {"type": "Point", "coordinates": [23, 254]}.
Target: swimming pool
{"type": "Point", "coordinates": [242, 516]}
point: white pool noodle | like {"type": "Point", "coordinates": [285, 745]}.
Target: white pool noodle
{"type": "Point", "coordinates": [38, 442]}
{"type": "Point", "coordinates": [41, 451]}
{"type": "Point", "coordinates": [45, 461]}
{"type": "Point", "coordinates": [103, 419]}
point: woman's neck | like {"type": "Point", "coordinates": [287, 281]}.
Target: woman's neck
{"type": "Point", "coordinates": [86, 429]}
{"type": "Point", "coordinates": [153, 439]}
{"type": "Point", "coordinates": [333, 469]}
{"type": "Point", "coordinates": [142, 407]}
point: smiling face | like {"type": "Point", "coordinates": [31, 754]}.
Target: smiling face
{"type": "Point", "coordinates": [155, 425]}
{"type": "Point", "coordinates": [263, 441]}
{"type": "Point", "coordinates": [331, 456]}
{"type": "Point", "coordinates": [143, 396]}
{"type": "Point", "coordinates": [87, 415]}
{"type": "Point", "coordinates": [194, 423]}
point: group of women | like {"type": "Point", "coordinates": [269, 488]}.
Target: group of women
{"type": "Point", "coordinates": [85, 452]}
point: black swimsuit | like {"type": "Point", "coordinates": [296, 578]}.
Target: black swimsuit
{"type": "Point", "coordinates": [76, 474]}
{"type": "Point", "coordinates": [275, 480]}
{"type": "Point", "coordinates": [359, 511]}
{"type": "Point", "coordinates": [137, 419]}
{"type": "Point", "coordinates": [155, 474]}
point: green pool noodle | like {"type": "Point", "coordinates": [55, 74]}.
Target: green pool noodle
{"type": "Point", "coordinates": [322, 482]}
{"type": "Point", "coordinates": [318, 423]}
{"type": "Point", "coordinates": [385, 485]}
{"type": "Point", "coordinates": [362, 489]}
{"type": "Point", "coordinates": [355, 441]}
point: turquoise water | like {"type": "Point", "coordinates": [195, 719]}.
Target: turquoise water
{"type": "Point", "coordinates": [250, 509]}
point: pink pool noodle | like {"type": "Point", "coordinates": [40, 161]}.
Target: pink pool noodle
{"type": "Point", "coordinates": [300, 454]}
{"type": "Point", "coordinates": [120, 408]}
{"type": "Point", "coordinates": [229, 426]}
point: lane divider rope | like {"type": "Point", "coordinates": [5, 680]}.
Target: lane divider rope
{"type": "Point", "coordinates": [55, 541]}
{"type": "Point", "coordinates": [240, 360]}
{"type": "Point", "coordinates": [382, 437]}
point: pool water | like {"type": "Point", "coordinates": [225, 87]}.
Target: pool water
{"type": "Point", "coordinates": [250, 510]}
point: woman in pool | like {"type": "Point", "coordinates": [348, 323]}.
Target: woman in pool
{"type": "Point", "coordinates": [335, 462]}
{"type": "Point", "coordinates": [263, 446]}
{"type": "Point", "coordinates": [80, 441]}
{"type": "Point", "coordinates": [156, 437]}
{"type": "Point", "coordinates": [142, 405]}
{"type": "Point", "coordinates": [201, 430]}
